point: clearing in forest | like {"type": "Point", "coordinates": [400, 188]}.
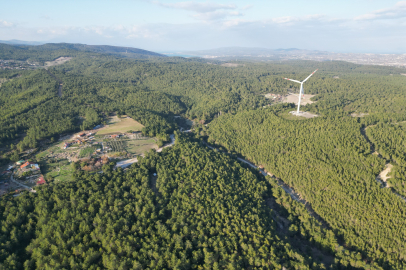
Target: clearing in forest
{"type": "Point", "coordinates": [231, 65]}
{"type": "Point", "coordinates": [58, 61]}
{"type": "Point", "coordinates": [359, 114]}
{"type": "Point", "coordinates": [384, 174]}
{"type": "Point", "coordinates": [293, 98]}
{"type": "Point", "coordinates": [292, 115]}
{"type": "Point", "coordinates": [120, 125]}
{"type": "Point", "coordinates": [139, 147]}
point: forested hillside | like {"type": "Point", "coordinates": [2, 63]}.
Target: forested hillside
{"type": "Point", "coordinates": [390, 142]}
{"type": "Point", "coordinates": [330, 164]}
{"type": "Point", "coordinates": [202, 211]}
{"type": "Point", "coordinates": [159, 89]}
{"type": "Point", "coordinates": [205, 210]}
{"type": "Point", "coordinates": [51, 51]}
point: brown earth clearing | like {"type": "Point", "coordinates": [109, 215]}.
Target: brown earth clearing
{"type": "Point", "coordinates": [58, 61]}
{"type": "Point", "coordinates": [359, 114]}
{"type": "Point", "coordinates": [231, 65]}
{"type": "Point", "coordinates": [384, 175]}
{"type": "Point", "coordinates": [293, 98]}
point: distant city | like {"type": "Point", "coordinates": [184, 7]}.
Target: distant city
{"type": "Point", "coordinates": [396, 60]}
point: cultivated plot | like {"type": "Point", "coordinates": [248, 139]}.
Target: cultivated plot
{"type": "Point", "coordinates": [120, 125]}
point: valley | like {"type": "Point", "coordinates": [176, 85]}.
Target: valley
{"type": "Point", "coordinates": [157, 162]}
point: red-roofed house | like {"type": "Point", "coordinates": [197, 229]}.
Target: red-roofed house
{"type": "Point", "coordinates": [26, 164]}
{"type": "Point", "coordinates": [41, 181]}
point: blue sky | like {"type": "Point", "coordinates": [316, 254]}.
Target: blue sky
{"type": "Point", "coordinates": [340, 26]}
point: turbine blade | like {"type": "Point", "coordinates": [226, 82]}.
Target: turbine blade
{"type": "Point", "coordinates": [292, 80]}
{"type": "Point", "coordinates": [310, 75]}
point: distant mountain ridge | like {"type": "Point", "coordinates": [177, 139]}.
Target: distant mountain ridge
{"type": "Point", "coordinates": [106, 49]}
{"type": "Point", "coordinates": [39, 52]}
{"type": "Point", "coordinates": [249, 52]}
{"type": "Point", "coordinates": [21, 42]}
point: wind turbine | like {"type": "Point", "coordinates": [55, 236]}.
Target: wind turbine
{"type": "Point", "coordinates": [301, 89]}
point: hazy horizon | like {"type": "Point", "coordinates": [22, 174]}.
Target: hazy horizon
{"type": "Point", "coordinates": [363, 26]}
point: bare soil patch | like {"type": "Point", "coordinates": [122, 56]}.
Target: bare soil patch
{"type": "Point", "coordinates": [58, 61]}
{"type": "Point", "coordinates": [292, 98]}
{"type": "Point", "coordinates": [359, 114]}
{"type": "Point", "coordinates": [304, 114]}
{"type": "Point", "coordinates": [231, 65]}
{"type": "Point", "coordinates": [383, 176]}
{"type": "Point", "coordinates": [126, 163]}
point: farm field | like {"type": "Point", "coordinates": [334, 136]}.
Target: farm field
{"type": "Point", "coordinates": [88, 151]}
{"type": "Point", "coordinates": [120, 125]}
{"type": "Point", "coordinates": [139, 147]}
{"type": "Point", "coordinates": [60, 170]}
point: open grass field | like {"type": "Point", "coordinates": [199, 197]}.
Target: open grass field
{"type": "Point", "coordinates": [88, 151]}
{"type": "Point", "coordinates": [63, 173]}
{"type": "Point", "coordinates": [141, 146]}
{"type": "Point", "coordinates": [61, 170]}
{"type": "Point", "coordinates": [120, 125]}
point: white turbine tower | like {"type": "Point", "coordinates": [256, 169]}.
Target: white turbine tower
{"type": "Point", "coordinates": [301, 89]}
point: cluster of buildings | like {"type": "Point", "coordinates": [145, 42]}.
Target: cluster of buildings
{"type": "Point", "coordinates": [115, 136]}
{"type": "Point", "coordinates": [28, 165]}
{"type": "Point", "coordinates": [11, 64]}
{"type": "Point", "coordinates": [80, 138]}
{"type": "Point", "coordinates": [30, 171]}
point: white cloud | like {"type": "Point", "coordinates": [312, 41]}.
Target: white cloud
{"type": "Point", "coordinates": [196, 7]}
{"type": "Point", "coordinates": [6, 24]}
{"type": "Point", "coordinates": [219, 25]}
{"type": "Point", "coordinates": [216, 15]}
{"type": "Point", "coordinates": [290, 20]}
{"type": "Point", "coordinates": [206, 11]}
{"type": "Point", "coordinates": [247, 7]}
{"type": "Point", "coordinates": [142, 32]}
{"type": "Point", "coordinates": [395, 12]}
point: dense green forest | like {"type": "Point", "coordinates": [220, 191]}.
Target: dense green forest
{"type": "Point", "coordinates": [204, 210]}
{"type": "Point", "coordinates": [51, 51]}
{"type": "Point", "coordinates": [161, 88]}
{"type": "Point", "coordinates": [390, 142]}
{"type": "Point", "coordinates": [329, 163]}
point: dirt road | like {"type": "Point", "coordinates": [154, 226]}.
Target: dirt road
{"type": "Point", "coordinates": [382, 177]}
{"type": "Point", "coordinates": [18, 183]}
{"type": "Point", "coordinates": [58, 80]}
{"type": "Point", "coordinates": [168, 145]}
{"type": "Point", "coordinates": [126, 163]}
